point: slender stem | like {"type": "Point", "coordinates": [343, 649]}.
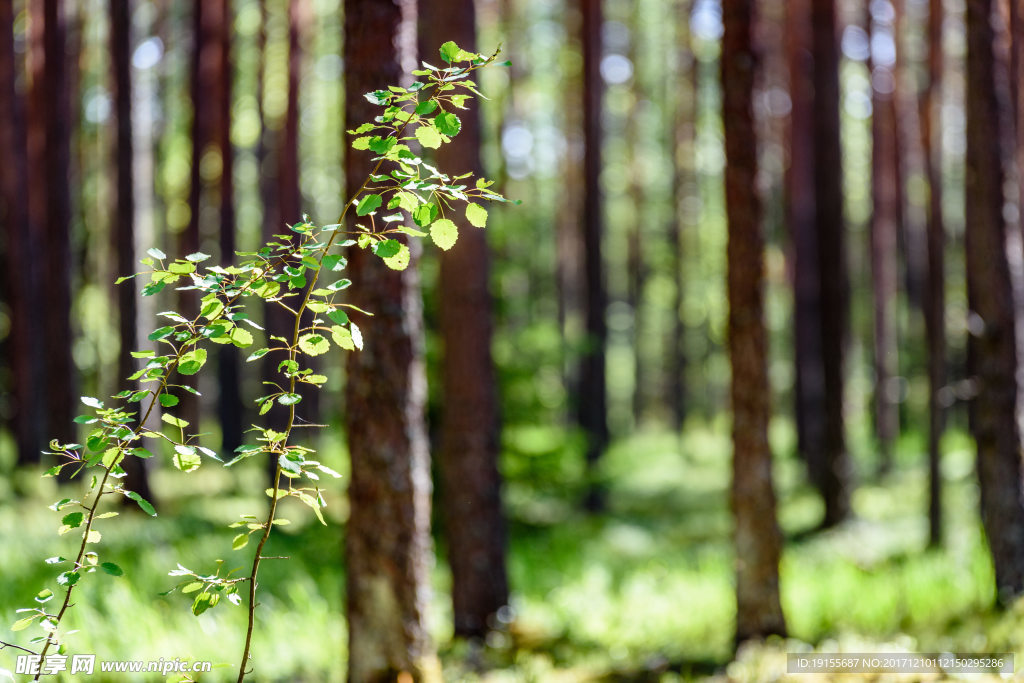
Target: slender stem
{"type": "Point", "coordinates": [255, 570]}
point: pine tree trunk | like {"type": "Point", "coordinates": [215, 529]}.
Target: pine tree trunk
{"type": "Point", "coordinates": [757, 536]}
{"type": "Point", "coordinates": [935, 295]}
{"type": "Point", "coordinates": [123, 233]}
{"type": "Point", "coordinates": [468, 464]}
{"type": "Point", "coordinates": [593, 401]}
{"type": "Point", "coordinates": [835, 470]}
{"type": "Point", "coordinates": [387, 543]}
{"type": "Point", "coordinates": [20, 250]}
{"type": "Point", "coordinates": [992, 346]}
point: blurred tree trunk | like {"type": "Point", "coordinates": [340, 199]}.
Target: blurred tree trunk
{"type": "Point", "coordinates": [636, 259]}
{"type": "Point", "coordinates": [21, 274]}
{"type": "Point", "coordinates": [809, 385]}
{"type": "Point", "coordinates": [992, 352]}
{"type": "Point", "coordinates": [681, 107]}
{"type": "Point", "coordinates": [268, 151]}
{"type": "Point", "coordinates": [935, 295]}
{"type": "Point", "coordinates": [123, 232]}
{"type": "Point", "coordinates": [593, 403]}
{"type": "Point", "coordinates": [834, 469]}
{"type": "Point", "coordinates": [468, 463]}
{"type": "Point", "coordinates": [757, 536]}
{"type": "Point", "coordinates": [229, 399]}
{"type": "Point", "coordinates": [49, 191]}
{"type": "Point", "coordinates": [202, 85]}
{"type": "Point", "coordinates": [387, 542]}
{"type": "Point", "coordinates": [886, 223]}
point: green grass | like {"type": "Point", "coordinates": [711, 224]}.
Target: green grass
{"type": "Point", "coordinates": [643, 592]}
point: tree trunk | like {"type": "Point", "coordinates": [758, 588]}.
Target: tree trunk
{"type": "Point", "coordinates": [50, 208]}
{"type": "Point", "coordinates": [123, 232]}
{"type": "Point", "coordinates": [835, 468]}
{"type": "Point", "coordinates": [229, 399]}
{"type": "Point", "coordinates": [593, 402]}
{"type": "Point", "coordinates": [886, 219]}
{"type": "Point", "coordinates": [470, 482]}
{"type": "Point", "coordinates": [681, 103]}
{"type": "Point", "coordinates": [809, 385]}
{"type": "Point", "coordinates": [935, 295]}
{"type": "Point", "coordinates": [757, 535]}
{"type": "Point", "coordinates": [20, 250]}
{"type": "Point", "coordinates": [387, 543]}
{"type": "Point", "coordinates": [992, 352]}
{"type": "Point", "coordinates": [202, 85]}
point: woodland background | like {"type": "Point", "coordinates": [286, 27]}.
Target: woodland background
{"type": "Point", "coordinates": [583, 414]}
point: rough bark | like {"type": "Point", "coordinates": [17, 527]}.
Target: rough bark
{"type": "Point", "coordinates": [992, 352]}
{"type": "Point", "coordinates": [834, 471]}
{"type": "Point", "coordinates": [387, 543]}
{"type": "Point", "coordinates": [757, 536]}
{"type": "Point", "coordinates": [809, 384]}
{"type": "Point", "coordinates": [593, 401]}
{"type": "Point", "coordinates": [886, 219]}
{"type": "Point", "coordinates": [935, 295]}
{"type": "Point", "coordinates": [468, 461]}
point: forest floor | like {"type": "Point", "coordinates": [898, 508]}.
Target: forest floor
{"type": "Point", "coordinates": [642, 592]}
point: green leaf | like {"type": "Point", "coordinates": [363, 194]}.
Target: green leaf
{"type": "Point", "coordinates": [211, 309]}
{"type": "Point", "coordinates": [198, 256]}
{"type": "Point", "coordinates": [368, 204]}
{"type": "Point", "coordinates": [93, 536]}
{"type": "Point", "coordinates": [476, 215]}
{"type": "Point", "coordinates": [444, 233]}
{"type": "Point", "coordinates": [240, 541]}
{"type": "Point", "coordinates": [382, 145]}
{"type": "Point", "coordinates": [342, 337]}
{"type": "Point", "coordinates": [44, 596]}
{"type": "Point", "coordinates": [361, 143]}
{"type": "Point", "coordinates": [174, 421]}
{"type": "Point", "coordinates": [448, 123]}
{"type": "Point", "coordinates": [407, 201]}
{"type": "Point", "coordinates": [191, 587]}
{"type": "Point", "coordinates": [160, 333]}
{"type": "Point", "coordinates": [449, 51]}
{"type": "Point", "coordinates": [339, 316]}
{"type": "Point", "coordinates": [315, 379]}
{"type": "Point", "coordinates": [399, 261]}
{"type": "Point", "coordinates": [314, 344]}
{"type": "Point", "coordinates": [168, 400]}
{"type": "Point", "coordinates": [73, 519]}
{"type": "Point", "coordinates": [387, 248]}
{"type": "Point", "coordinates": [428, 137]}
{"type": "Point", "coordinates": [193, 361]}
{"type": "Point", "coordinates": [425, 214]}
{"type": "Point", "coordinates": [334, 262]}
{"type": "Point", "coordinates": [185, 458]}
{"type": "Point", "coordinates": [141, 453]}
{"type": "Point", "coordinates": [92, 402]}
{"type": "Point", "coordinates": [203, 602]}
{"type": "Point", "coordinates": [182, 268]}
{"type": "Point", "coordinates": [156, 253]}
{"type": "Point", "coordinates": [361, 129]}
{"type": "Point", "coordinates": [357, 336]}
{"type": "Point", "coordinates": [146, 506]}
{"type": "Point", "coordinates": [241, 338]}
{"type": "Point", "coordinates": [22, 624]}
{"type": "Point", "coordinates": [381, 97]}
{"type": "Point", "coordinates": [256, 355]}
{"type": "Point", "coordinates": [289, 399]}
{"type": "Point", "coordinates": [112, 569]}
{"type": "Point", "coordinates": [424, 108]}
